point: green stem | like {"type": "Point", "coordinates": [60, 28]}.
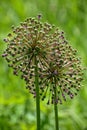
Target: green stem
{"type": "Point", "coordinates": [37, 94]}
{"type": "Point", "coordinates": [56, 111]}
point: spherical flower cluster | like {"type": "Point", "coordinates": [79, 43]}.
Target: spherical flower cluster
{"type": "Point", "coordinates": [63, 76]}
{"type": "Point", "coordinates": [59, 69]}
{"type": "Point", "coordinates": [26, 42]}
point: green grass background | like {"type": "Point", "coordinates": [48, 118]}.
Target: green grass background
{"type": "Point", "coordinates": [17, 107]}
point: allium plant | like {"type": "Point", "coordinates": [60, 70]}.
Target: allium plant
{"type": "Point", "coordinates": [50, 67]}
{"type": "Point", "coordinates": [62, 78]}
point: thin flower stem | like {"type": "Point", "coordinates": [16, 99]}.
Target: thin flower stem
{"type": "Point", "coordinates": [37, 95]}
{"type": "Point", "coordinates": [56, 117]}
{"type": "Point", "coordinates": [56, 111]}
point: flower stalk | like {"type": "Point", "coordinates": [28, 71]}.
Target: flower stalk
{"type": "Point", "coordinates": [37, 95]}
{"type": "Point", "coordinates": [56, 110]}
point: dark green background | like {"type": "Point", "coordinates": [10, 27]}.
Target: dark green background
{"type": "Point", "coordinates": [17, 107]}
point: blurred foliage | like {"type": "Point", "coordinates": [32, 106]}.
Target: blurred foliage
{"type": "Point", "coordinates": [17, 107]}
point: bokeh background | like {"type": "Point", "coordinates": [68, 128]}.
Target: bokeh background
{"type": "Point", "coordinates": [17, 107]}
